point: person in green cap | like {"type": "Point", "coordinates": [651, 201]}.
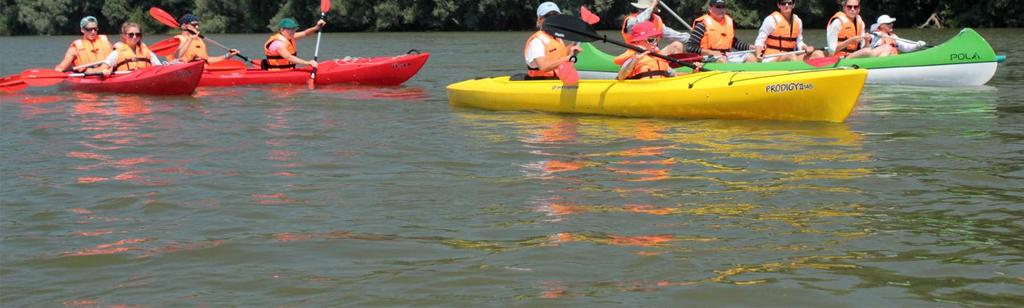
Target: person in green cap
{"type": "Point", "coordinates": [280, 48]}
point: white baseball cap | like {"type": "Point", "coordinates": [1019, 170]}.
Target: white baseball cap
{"type": "Point", "coordinates": [642, 4]}
{"type": "Point", "coordinates": [547, 7]}
{"type": "Point", "coordinates": [885, 19]}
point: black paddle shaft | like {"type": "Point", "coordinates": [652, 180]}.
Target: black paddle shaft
{"type": "Point", "coordinates": [568, 27]}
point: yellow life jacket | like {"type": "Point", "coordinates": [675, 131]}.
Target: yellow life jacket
{"type": "Point", "coordinates": [718, 35]}
{"type": "Point", "coordinates": [91, 51]}
{"type": "Point", "coordinates": [850, 28]}
{"type": "Point", "coordinates": [195, 52]}
{"type": "Point", "coordinates": [553, 49]}
{"type": "Point", "coordinates": [130, 60]}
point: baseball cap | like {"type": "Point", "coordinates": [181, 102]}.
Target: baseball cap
{"type": "Point", "coordinates": [86, 20]}
{"type": "Point", "coordinates": [288, 23]}
{"type": "Point", "coordinates": [547, 7]}
{"type": "Point", "coordinates": [885, 19]}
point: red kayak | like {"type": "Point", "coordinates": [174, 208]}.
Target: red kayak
{"type": "Point", "coordinates": [174, 79]}
{"type": "Point", "coordinates": [379, 71]}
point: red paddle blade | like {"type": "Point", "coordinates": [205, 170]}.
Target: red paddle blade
{"type": "Point", "coordinates": [41, 77]}
{"type": "Point", "coordinates": [586, 15]}
{"type": "Point", "coordinates": [165, 47]}
{"type": "Point", "coordinates": [325, 6]}
{"type": "Point", "coordinates": [227, 65]}
{"type": "Point", "coordinates": [163, 17]}
{"type": "Point", "coordinates": [567, 73]}
{"type": "Point", "coordinates": [11, 84]}
{"type": "Point", "coordinates": [822, 62]}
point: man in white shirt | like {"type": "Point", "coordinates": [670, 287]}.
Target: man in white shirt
{"type": "Point", "coordinates": [887, 43]}
{"type": "Point", "coordinates": [543, 52]}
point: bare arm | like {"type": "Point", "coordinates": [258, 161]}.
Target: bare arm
{"type": "Point", "coordinates": [319, 25]}
{"type": "Point", "coordinates": [69, 57]}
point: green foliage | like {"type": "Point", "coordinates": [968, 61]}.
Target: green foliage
{"type": "Point", "coordinates": [18, 17]}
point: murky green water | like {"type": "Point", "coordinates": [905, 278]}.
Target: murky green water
{"type": "Point", "coordinates": [387, 196]}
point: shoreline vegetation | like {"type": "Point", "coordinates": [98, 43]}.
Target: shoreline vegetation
{"type": "Point", "coordinates": [60, 17]}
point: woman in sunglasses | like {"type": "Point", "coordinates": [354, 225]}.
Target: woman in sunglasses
{"type": "Point", "coordinates": [130, 53]}
{"type": "Point", "coordinates": [90, 49]}
{"type": "Point", "coordinates": [782, 32]}
{"type": "Point", "coordinates": [643, 65]}
{"type": "Point", "coordinates": [845, 35]}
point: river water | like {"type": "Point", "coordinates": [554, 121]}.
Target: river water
{"type": "Point", "coordinates": [260, 196]}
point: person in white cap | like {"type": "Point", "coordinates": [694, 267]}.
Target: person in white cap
{"type": "Point", "coordinates": [544, 53]}
{"type": "Point", "coordinates": [887, 43]}
{"type": "Point", "coordinates": [647, 10]}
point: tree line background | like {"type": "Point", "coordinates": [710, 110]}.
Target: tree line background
{"type": "Point", "coordinates": [54, 17]}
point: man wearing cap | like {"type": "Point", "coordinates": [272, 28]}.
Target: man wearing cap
{"type": "Point", "coordinates": [646, 10]}
{"type": "Point", "coordinates": [280, 48]}
{"type": "Point", "coordinates": [191, 47]}
{"type": "Point", "coordinates": [887, 43]}
{"type": "Point", "coordinates": [714, 35]}
{"type": "Point", "coordinates": [87, 51]}
{"type": "Point", "coordinates": [544, 53]}
{"type": "Point", "coordinates": [783, 32]}
{"type": "Point", "coordinates": [845, 35]}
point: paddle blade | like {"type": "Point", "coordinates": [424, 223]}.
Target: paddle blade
{"type": "Point", "coordinates": [41, 77]}
{"type": "Point", "coordinates": [165, 47]}
{"type": "Point", "coordinates": [11, 84]}
{"type": "Point", "coordinates": [569, 28]}
{"type": "Point", "coordinates": [567, 73]}
{"type": "Point", "coordinates": [163, 17]}
{"type": "Point", "coordinates": [822, 62]}
{"type": "Point", "coordinates": [325, 6]}
{"type": "Point", "coordinates": [589, 17]}
{"type": "Point", "coordinates": [226, 65]}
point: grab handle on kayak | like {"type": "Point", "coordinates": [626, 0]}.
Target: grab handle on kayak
{"type": "Point", "coordinates": [413, 51]}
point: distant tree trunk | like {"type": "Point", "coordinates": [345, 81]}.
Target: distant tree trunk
{"type": "Point", "coordinates": [932, 21]}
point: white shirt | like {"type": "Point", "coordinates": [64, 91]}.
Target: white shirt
{"type": "Point", "coordinates": [768, 26]}
{"type": "Point", "coordinates": [668, 33]}
{"type": "Point", "coordinates": [111, 59]}
{"type": "Point", "coordinates": [832, 34]}
{"type": "Point", "coordinates": [901, 45]}
{"type": "Point", "coordinates": [535, 49]}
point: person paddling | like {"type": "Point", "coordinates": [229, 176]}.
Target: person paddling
{"type": "Point", "coordinates": [130, 53]}
{"type": "Point", "coordinates": [643, 65]}
{"type": "Point", "coordinates": [647, 10]}
{"type": "Point", "coordinates": [887, 43]}
{"type": "Point", "coordinates": [191, 47]}
{"type": "Point", "coordinates": [280, 48]}
{"type": "Point", "coordinates": [845, 33]}
{"type": "Point", "coordinates": [714, 35]}
{"type": "Point", "coordinates": [782, 32]}
{"type": "Point", "coordinates": [91, 48]}
{"type": "Point", "coordinates": [544, 53]}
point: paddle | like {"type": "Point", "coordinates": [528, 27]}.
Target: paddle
{"type": "Point", "coordinates": [11, 84]}
{"type": "Point", "coordinates": [41, 77]}
{"type": "Point", "coordinates": [573, 29]}
{"type": "Point", "coordinates": [168, 20]}
{"type": "Point", "coordinates": [798, 52]}
{"type": "Point", "coordinates": [680, 19]}
{"type": "Point", "coordinates": [589, 17]}
{"type": "Point", "coordinates": [899, 39]}
{"type": "Point", "coordinates": [325, 5]}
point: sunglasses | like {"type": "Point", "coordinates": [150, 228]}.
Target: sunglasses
{"type": "Point", "coordinates": [853, 7]}
{"type": "Point", "coordinates": [652, 40]}
{"type": "Point", "coordinates": [133, 34]}
{"type": "Point", "coordinates": [787, 3]}
{"type": "Point", "coordinates": [93, 29]}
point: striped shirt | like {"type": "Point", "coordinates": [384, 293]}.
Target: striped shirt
{"type": "Point", "coordinates": [698, 34]}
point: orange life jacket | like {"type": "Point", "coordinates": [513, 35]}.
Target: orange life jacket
{"type": "Point", "coordinates": [274, 60]}
{"type": "Point", "coordinates": [196, 52]}
{"type": "Point", "coordinates": [718, 36]}
{"type": "Point", "coordinates": [91, 51]}
{"type": "Point", "coordinates": [130, 60]}
{"type": "Point", "coordinates": [658, 24]}
{"type": "Point", "coordinates": [784, 37]}
{"type": "Point", "coordinates": [646, 67]}
{"type": "Point", "coordinates": [888, 40]}
{"type": "Point", "coordinates": [553, 49]}
{"type": "Point", "coordinates": [849, 28]}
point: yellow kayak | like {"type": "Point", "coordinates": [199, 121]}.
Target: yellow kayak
{"type": "Point", "coordinates": [822, 95]}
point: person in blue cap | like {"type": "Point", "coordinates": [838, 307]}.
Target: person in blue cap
{"type": "Point", "coordinates": [88, 51]}
{"type": "Point", "coordinates": [280, 48]}
{"type": "Point", "coordinates": [191, 47]}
